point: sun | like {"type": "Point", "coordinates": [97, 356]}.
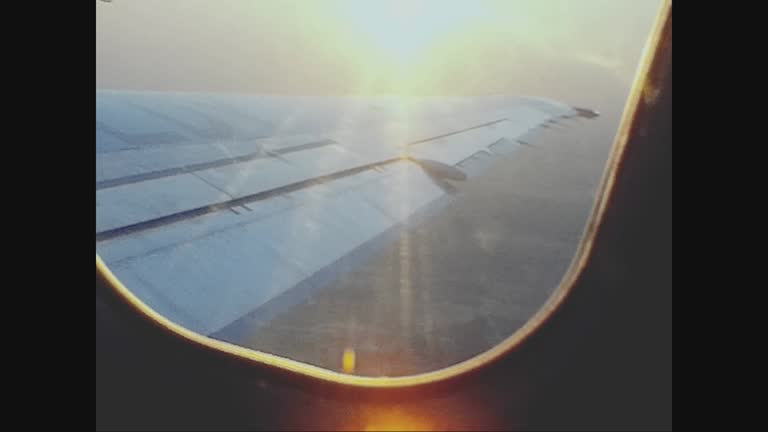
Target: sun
{"type": "Point", "coordinates": [405, 30]}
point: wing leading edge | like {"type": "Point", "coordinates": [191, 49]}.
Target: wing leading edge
{"type": "Point", "coordinates": [210, 207]}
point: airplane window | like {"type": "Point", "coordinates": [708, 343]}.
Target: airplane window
{"type": "Point", "coordinates": [379, 188]}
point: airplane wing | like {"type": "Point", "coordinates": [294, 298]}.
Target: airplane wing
{"type": "Point", "coordinates": [215, 208]}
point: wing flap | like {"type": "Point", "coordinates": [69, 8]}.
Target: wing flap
{"type": "Point", "coordinates": [203, 284]}
{"type": "Point", "coordinates": [177, 269]}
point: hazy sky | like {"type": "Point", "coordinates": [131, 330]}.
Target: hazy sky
{"type": "Point", "coordinates": [366, 47]}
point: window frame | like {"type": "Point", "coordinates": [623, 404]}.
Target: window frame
{"type": "Point", "coordinates": [653, 66]}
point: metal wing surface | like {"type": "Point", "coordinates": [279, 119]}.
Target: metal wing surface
{"type": "Point", "coordinates": [213, 207]}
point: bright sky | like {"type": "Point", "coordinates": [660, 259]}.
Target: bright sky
{"type": "Point", "coordinates": [365, 46]}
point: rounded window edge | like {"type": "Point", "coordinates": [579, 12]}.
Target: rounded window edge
{"type": "Point", "coordinates": [650, 61]}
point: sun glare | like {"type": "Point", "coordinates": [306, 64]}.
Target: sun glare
{"type": "Point", "coordinates": [404, 30]}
